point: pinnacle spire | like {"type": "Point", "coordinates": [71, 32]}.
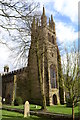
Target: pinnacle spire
{"type": "Point", "coordinates": [49, 19]}
{"type": "Point", "coordinates": [49, 22]}
{"type": "Point", "coordinates": [52, 23]}
{"type": "Point", "coordinates": [43, 10]}
{"type": "Point", "coordinates": [52, 18]}
{"type": "Point", "coordinates": [34, 20]}
{"type": "Point", "coordinates": [43, 18]}
{"type": "Point", "coordinates": [37, 21]}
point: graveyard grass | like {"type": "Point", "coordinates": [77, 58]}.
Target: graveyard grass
{"type": "Point", "coordinates": [8, 115]}
{"type": "Point", "coordinates": [61, 109]}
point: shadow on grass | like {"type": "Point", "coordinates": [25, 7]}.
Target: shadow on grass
{"type": "Point", "coordinates": [9, 117]}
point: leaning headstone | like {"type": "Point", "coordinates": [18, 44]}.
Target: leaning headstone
{"type": "Point", "coordinates": [26, 109]}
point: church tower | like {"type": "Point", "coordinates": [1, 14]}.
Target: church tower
{"type": "Point", "coordinates": [45, 36]}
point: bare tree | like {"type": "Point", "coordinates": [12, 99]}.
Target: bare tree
{"type": "Point", "coordinates": [71, 78]}
{"type": "Point", "coordinates": [15, 23]}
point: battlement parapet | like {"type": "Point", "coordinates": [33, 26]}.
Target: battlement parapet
{"type": "Point", "coordinates": [15, 71]}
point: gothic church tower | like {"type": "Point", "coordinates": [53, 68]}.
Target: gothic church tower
{"type": "Point", "coordinates": [45, 36]}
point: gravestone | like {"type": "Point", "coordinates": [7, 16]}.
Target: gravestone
{"type": "Point", "coordinates": [36, 106]}
{"type": "Point", "coordinates": [26, 109]}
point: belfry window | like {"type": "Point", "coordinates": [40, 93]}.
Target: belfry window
{"type": "Point", "coordinates": [53, 77]}
{"type": "Point", "coordinates": [51, 38]}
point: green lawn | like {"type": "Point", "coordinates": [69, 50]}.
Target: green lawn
{"type": "Point", "coordinates": [7, 115]}
{"type": "Point", "coordinates": [32, 107]}
{"type": "Point", "coordinates": [55, 109]}
{"type": "Point", "coordinates": [0, 114]}
{"type": "Point", "coordinates": [62, 109]}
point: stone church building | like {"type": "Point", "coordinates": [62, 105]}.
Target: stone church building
{"type": "Point", "coordinates": [42, 56]}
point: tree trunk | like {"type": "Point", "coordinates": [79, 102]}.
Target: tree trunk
{"type": "Point", "coordinates": [73, 110]}
{"type": "Point", "coordinates": [40, 80]}
{"type": "Point", "coordinates": [41, 87]}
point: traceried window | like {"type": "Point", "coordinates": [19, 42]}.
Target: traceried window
{"type": "Point", "coordinates": [53, 77]}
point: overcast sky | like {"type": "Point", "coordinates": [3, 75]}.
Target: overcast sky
{"type": "Point", "coordinates": [65, 15]}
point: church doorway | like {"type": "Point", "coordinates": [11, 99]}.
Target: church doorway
{"type": "Point", "coordinates": [54, 99]}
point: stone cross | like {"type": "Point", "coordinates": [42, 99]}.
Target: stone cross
{"type": "Point", "coordinates": [26, 109]}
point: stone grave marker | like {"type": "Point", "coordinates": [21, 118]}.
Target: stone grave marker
{"type": "Point", "coordinates": [36, 106]}
{"type": "Point", "coordinates": [26, 109]}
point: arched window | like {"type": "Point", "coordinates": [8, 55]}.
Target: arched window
{"type": "Point", "coordinates": [53, 77]}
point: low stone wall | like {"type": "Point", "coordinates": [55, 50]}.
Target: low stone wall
{"type": "Point", "coordinates": [52, 116]}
